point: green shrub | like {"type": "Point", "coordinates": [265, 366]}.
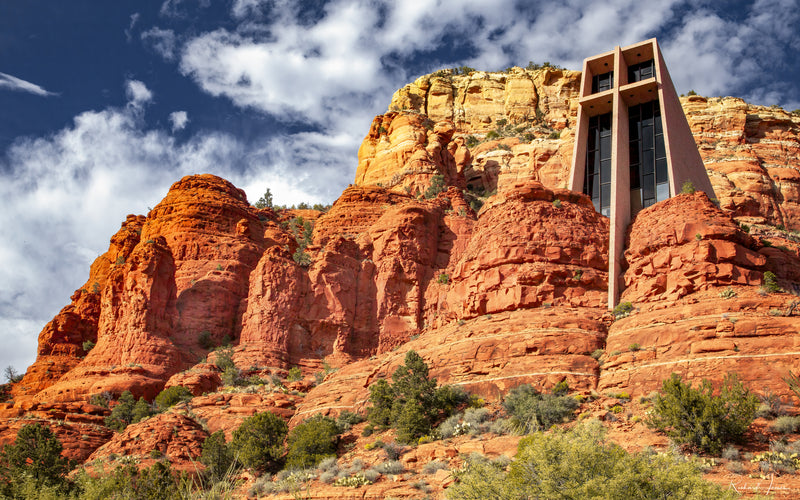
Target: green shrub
{"type": "Point", "coordinates": [347, 419]}
{"type": "Point", "coordinates": [258, 442]}
{"type": "Point", "coordinates": [311, 441]}
{"type": "Point", "coordinates": [122, 412]}
{"type": "Point", "coordinates": [622, 310]}
{"type": "Point", "coordinates": [88, 345]}
{"type": "Point", "coordinates": [205, 340]}
{"type": "Point", "coordinates": [532, 411]}
{"type": "Point", "coordinates": [786, 424]}
{"type": "Point", "coordinates": [301, 258]}
{"type": "Point", "coordinates": [687, 188]}
{"type": "Point", "coordinates": [141, 411]}
{"type": "Point", "coordinates": [436, 187]}
{"type": "Point", "coordinates": [265, 201]}
{"type": "Point", "coordinates": [728, 293]}
{"type": "Point", "coordinates": [412, 403]}
{"type": "Point", "coordinates": [224, 358]}
{"type": "Point", "coordinates": [698, 418]}
{"type": "Point", "coordinates": [580, 464]}
{"type": "Point", "coordinates": [172, 396]}
{"type": "Point", "coordinates": [557, 203]}
{"type": "Point", "coordinates": [443, 279]}
{"type": "Point", "coordinates": [33, 459]}
{"type": "Point", "coordinates": [216, 456]}
{"type": "Point", "coordinates": [770, 282]}
{"type": "Point", "coordinates": [130, 482]}
{"type": "Point", "coordinates": [101, 399]}
{"type": "Point", "coordinates": [294, 374]}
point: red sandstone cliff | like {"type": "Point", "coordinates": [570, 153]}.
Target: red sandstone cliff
{"type": "Point", "coordinates": [511, 293]}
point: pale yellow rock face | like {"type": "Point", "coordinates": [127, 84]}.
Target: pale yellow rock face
{"type": "Point", "coordinates": [520, 125]}
{"type": "Point", "coordinates": [406, 146]}
{"type": "Point", "coordinates": [751, 155]}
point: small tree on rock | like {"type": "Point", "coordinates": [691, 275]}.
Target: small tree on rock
{"type": "Point", "coordinates": [216, 456]}
{"type": "Point", "coordinates": [258, 442]}
{"type": "Point", "coordinates": [265, 201]}
{"type": "Point", "coordinates": [35, 455]}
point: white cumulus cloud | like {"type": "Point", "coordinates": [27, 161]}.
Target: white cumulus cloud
{"type": "Point", "coordinates": [179, 120]}
{"type": "Point", "coordinates": [138, 93]}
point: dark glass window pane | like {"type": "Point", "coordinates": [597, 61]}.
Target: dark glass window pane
{"type": "Point", "coordinates": [605, 122]}
{"type": "Point", "coordinates": [660, 151]}
{"type": "Point", "coordinates": [605, 147]}
{"type": "Point", "coordinates": [647, 137]}
{"type": "Point", "coordinates": [590, 163]}
{"type": "Point", "coordinates": [647, 111]}
{"type": "Point", "coordinates": [596, 185]}
{"type": "Point", "coordinates": [602, 82]}
{"type": "Point", "coordinates": [647, 162]}
{"type": "Point", "coordinates": [605, 195]}
{"type": "Point", "coordinates": [634, 153]}
{"type": "Point", "coordinates": [633, 130]}
{"type": "Point", "coordinates": [640, 71]}
{"type": "Point", "coordinates": [661, 170]}
{"type": "Point", "coordinates": [648, 187]}
{"type": "Point", "coordinates": [634, 176]}
{"type": "Point", "coordinates": [662, 191]}
{"type": "Point", "coordinates": [657, 123]}
{"type": "Point", "coordinates": [605, 171]}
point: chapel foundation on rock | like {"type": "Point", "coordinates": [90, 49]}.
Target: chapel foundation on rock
{"type": "Point", "coordinates": [633, 145]}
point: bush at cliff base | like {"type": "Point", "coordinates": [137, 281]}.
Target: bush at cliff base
{"type": "Point", "coordinates": [216, 456]}
{"type": "Point", "coordinates": [698, 418]}
{"type": "Point", "coordinates": [32, 462]}
{"type": "Point", "coordinates": [313, 440]}
{"type": "Point", "coordinates": [411, 403]}
{"type": "Point", "coordinates": [258, 442]}
{"type": "Point", "coordinates": [579, 464]}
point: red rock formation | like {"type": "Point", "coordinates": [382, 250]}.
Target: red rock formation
{"type": "Point", "coordinates": [751, 155]}
{"type": "Point", "coordinates": [487, 355]}
{"type": "Point", "coordinates": [524, 119]}
{"type": "Point", "coordinates": [686, 244]}
{"type": "Point", "coordinates": [532, 246]}
{"type": "Point", "coordinates": [62, 339]}
{"type": "Point", "coordinates": [79, 426]}
{"type": "Point", "coordinates": [172, 435]}
{"type": "Point", "coordinates": [694, 279]}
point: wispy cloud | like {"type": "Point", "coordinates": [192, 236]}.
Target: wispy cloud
{"type": "Point", "coordinates": [9, 82]}
{"type": "Point", "coordinates": [129, 31]}
{"type": "Point", "coordinates": [162, 41]}
{"type": "Point", "coordinates": [65, 195]}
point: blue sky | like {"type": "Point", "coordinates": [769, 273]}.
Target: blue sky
{"type": "Point", "coordinates": [104, 104]}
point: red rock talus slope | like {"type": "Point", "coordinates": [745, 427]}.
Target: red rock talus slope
{"type": "Point", "coordinates": [487, 355]}
{"type": "Point", "coordinates": [694, 277]}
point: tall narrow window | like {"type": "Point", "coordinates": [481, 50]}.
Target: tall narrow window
{"type": "Point", "coordinates": [641, 71]}
{"type": "Point", "coordinates": [602, 82]}
{"type": "Point", "coordinates": [648, 157]}
{"type": "Point", "coordinates": [597, 181]}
